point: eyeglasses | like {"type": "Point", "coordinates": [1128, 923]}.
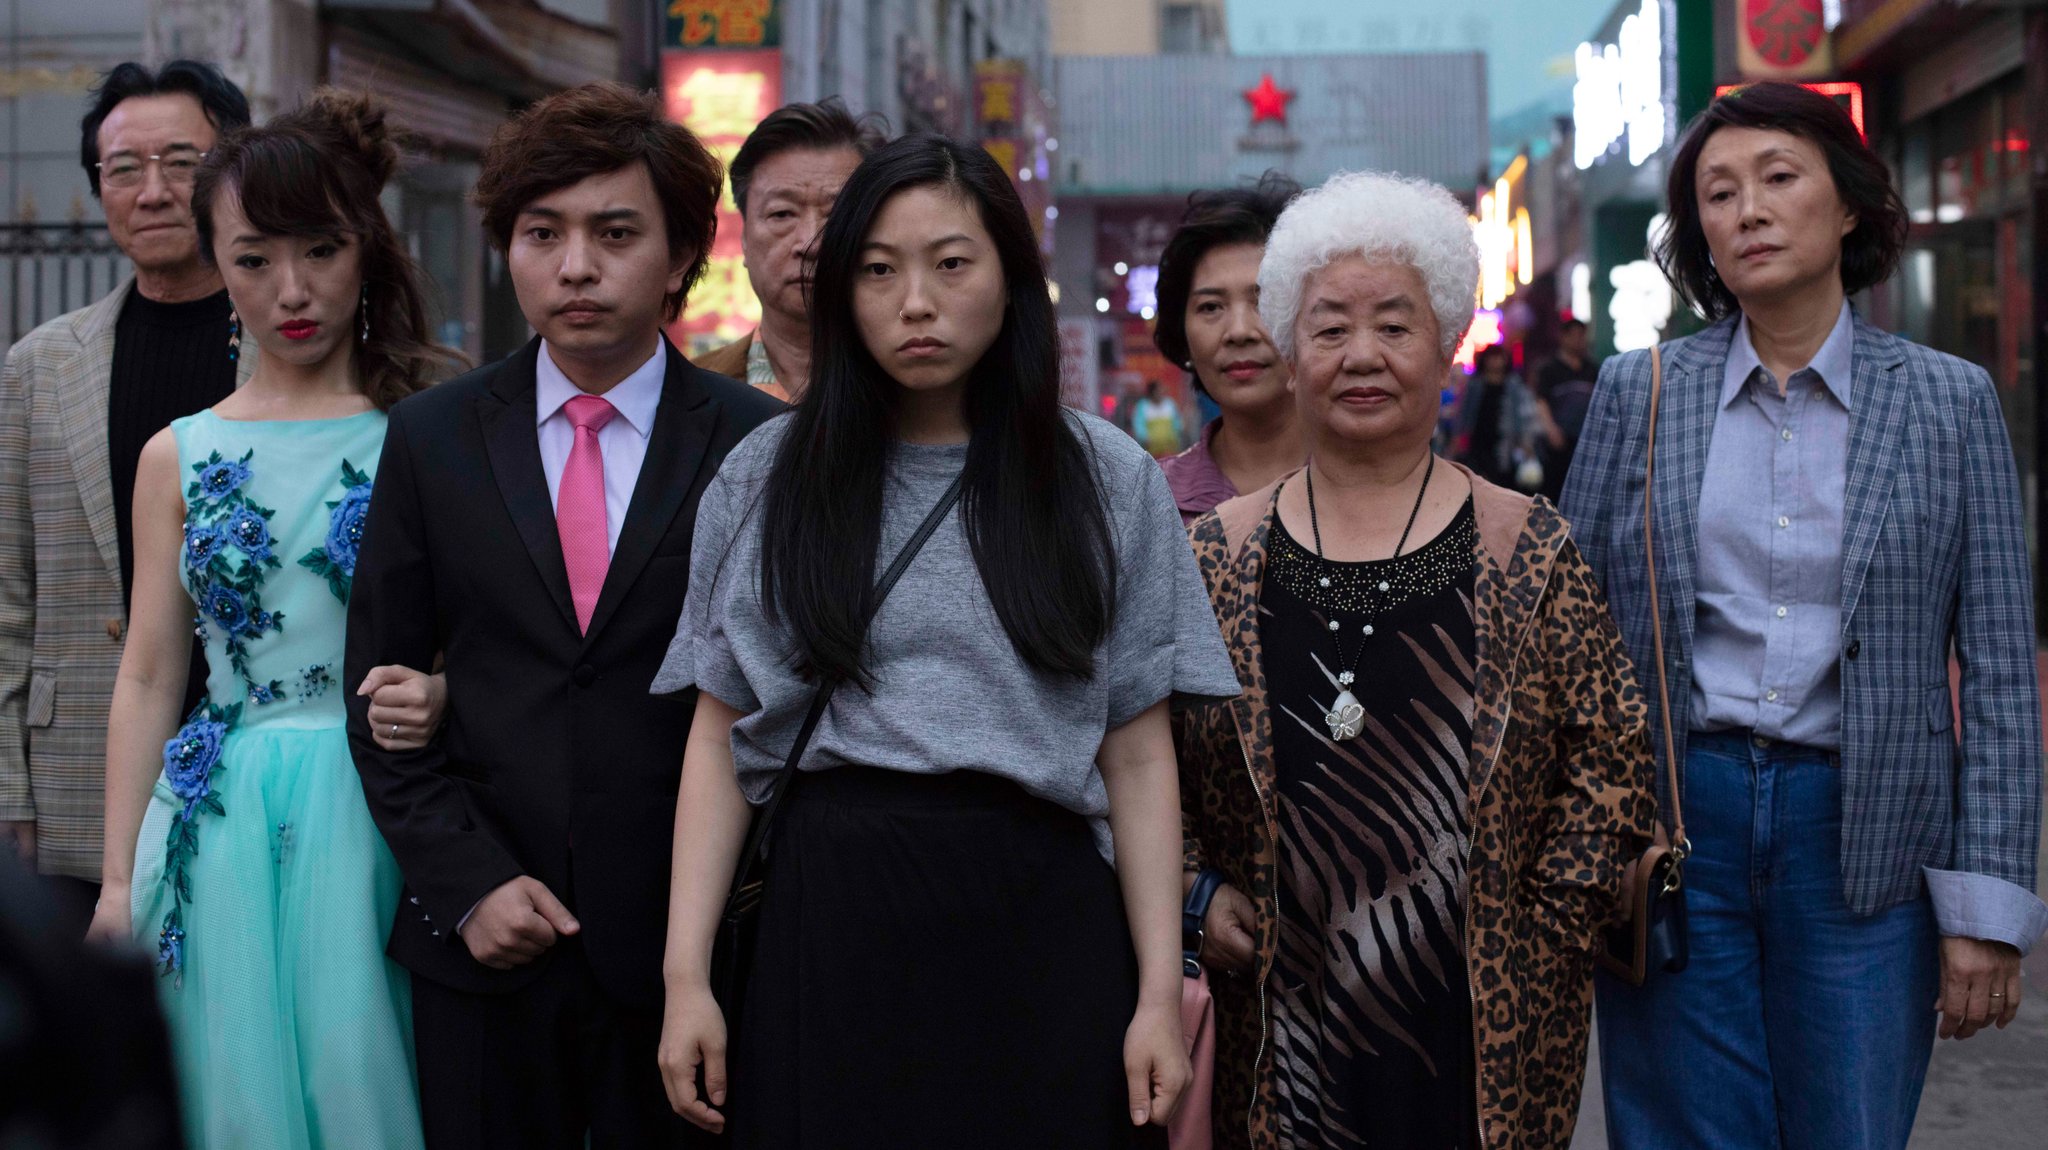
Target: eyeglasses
{"type": "Point", "coordinates": [179, 166]}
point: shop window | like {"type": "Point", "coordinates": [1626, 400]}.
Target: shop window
{"type": "Point", "coordinates": [1964, 174]}
{"type": "Point", "coordinates": [441, 236]}
{"type": "Point", "coordinates": [1980, 146]}
{"type": "Point", "coordinates": [1180, 29]}
{"type": "Point", "coordinates": [1916, 179]}
{"type": "Point", "coordinates": [2013, 142]}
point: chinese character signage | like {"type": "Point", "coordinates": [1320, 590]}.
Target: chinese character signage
{"type": "Point", "coordinates": [1010, 118]}
{"type": "Point", "coordinates": [721, 95]}
{"type": "Point", "coordinates": [692, 24]}
{"type": "Point", "coordinates": [1782, 39]}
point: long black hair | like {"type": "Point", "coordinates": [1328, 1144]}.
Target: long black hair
{"type": "Point", "coordinates": [1031, 506]}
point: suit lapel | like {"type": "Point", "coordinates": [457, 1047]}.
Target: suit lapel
{"type": "Point", "coordinates": [512, 440]}
{"type": "Point", "coordinates": [1691, 400]}
{"type": "Point", "coordinates": [82, 390]}
{"type": "Point", "coordinates": [683, 423]}
{"type": "Point", "coordinates": [1877, 405]}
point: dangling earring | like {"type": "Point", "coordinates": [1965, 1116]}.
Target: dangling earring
{"type": "Point", "coordinates": [365, 308]}
{"type": "Point", "coordinates": [234, 335]}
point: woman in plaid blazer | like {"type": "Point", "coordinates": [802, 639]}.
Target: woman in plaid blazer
{"type": "Point", "coordinates": [1836, 515]}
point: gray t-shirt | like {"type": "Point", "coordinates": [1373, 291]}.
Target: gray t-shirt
{"type": "Point", "coordinates": [951, 692]}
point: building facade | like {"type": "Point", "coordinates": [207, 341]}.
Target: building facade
{"type": "Point", "coordinates": [1138, 27]}
{"type": "Point", "coordinates": [971, 69]}
{"type": "Point", "coordinates": [54, 251]}
{"type": "Point", "coordinates": [1953, 98]}
{"type": "Point", "coordinates": [1137, 134]}
{"type": "Point", "coordinates": [450, 72]}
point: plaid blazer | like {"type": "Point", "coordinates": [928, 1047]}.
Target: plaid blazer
{"type": "Point", "coordinates": [1934, 560]}
{"type": "Point", "coordinates": [61, 620]}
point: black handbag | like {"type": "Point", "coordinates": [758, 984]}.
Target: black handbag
{"type": "Point", "coordinates": [732, 951]}
{"type": "Point", "coordinates": [1653, 937]}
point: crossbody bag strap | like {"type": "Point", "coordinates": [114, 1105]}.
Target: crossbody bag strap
{"type": "Point", "coordinates": [757, 836]}
{"type": "Point", "coordinates": [1678, 840]}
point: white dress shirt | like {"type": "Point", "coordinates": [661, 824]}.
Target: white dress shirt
{"type": "Point", "coordinates": [623, 441]}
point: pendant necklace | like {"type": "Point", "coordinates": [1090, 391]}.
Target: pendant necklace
{"type": "Point", "coordinates": [1346, 716]}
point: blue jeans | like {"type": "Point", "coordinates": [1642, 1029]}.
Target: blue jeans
{"type": "Point", "coordinates": [1800, 1025]}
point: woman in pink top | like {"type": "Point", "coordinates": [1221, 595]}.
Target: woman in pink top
{"type": "Point", "coordinates": [1209, 324]}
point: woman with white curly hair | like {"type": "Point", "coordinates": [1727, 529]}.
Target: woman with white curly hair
{"type": "Point", "coordinates": [1405, 837]}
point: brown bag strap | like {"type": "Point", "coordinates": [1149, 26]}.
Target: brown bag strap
{"type": "Point", "coordinates": [1678, 840]}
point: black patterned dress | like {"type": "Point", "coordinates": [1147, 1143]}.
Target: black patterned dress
{"type": "Point", "coordinates": [1372, 1012]}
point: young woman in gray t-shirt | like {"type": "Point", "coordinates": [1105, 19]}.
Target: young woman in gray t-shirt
{"type": "Point", "coordinates": [970, 931]}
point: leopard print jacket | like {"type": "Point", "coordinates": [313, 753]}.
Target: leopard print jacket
{"type": "Point", "coordinates": [1560, 797]}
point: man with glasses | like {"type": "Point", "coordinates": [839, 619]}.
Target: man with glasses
{"type": "Point", "coordinates": [79, 397]}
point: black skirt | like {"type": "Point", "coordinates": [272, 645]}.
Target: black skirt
{"type": "Point", "coordinates": [943, 961]}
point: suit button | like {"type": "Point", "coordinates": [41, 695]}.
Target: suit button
{"type": "Point", "coordinates": [114, 629]}
{"type": "Point", "coordinates": [585, 675]}
{"type": "Point", "coordinates": [1854, 649]}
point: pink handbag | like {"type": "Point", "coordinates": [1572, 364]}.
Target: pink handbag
{"type": "Point", "coordinates": [1190, 1127]}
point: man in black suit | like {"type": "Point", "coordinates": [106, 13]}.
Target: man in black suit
{"type": "Point", "coordinates": [531, 526]}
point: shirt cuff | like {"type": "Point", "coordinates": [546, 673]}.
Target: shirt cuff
{"type": "Point", "coordinates": [1969, 905]}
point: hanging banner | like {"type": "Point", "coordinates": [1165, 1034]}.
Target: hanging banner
{"type": "Point", "coordinates": [1010, 119]}
{"type": "Point", "coordinates": [1782, 39]}
{"type": "Point", "coordinates": [692, 24]}
{"type": "Point", "coordinates": [721, 96]}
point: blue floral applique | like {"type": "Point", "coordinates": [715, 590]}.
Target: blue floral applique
{"type": "Point", "coordinates": [191, 758]}
{"type": "Point", "coordinates": [335, 558]}
{"type": "Point", "coordinates": [229, 551]}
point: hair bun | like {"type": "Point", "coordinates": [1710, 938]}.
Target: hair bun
{"type": "Point", "coordinates": [357, 124]}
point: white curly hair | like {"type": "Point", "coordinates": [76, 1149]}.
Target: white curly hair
{"type": "Point", "coordinates": [1378, 216]}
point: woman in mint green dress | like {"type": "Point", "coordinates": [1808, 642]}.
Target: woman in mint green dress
{"type": "Point", "coordinates": [238, 844]}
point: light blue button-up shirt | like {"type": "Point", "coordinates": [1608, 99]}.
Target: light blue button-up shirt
{"type": "Point", "coordinates": [1767, 640]}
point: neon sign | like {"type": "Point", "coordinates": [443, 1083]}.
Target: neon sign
{"type": "Point", "coordinates": [1642, 298]}
{"type": "Point", "coordinates": [1847, 93]}
{"type": "Point", "coordinates": [721, 95]}
{"type": "Point", "coordinates": [1485, 331]}
{"type": "Point", "coordinates": [1619, 93]}
{"type": "Point", "coordinates": [1506, 239]}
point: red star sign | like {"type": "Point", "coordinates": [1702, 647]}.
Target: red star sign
{"type": "Point", "coordinates": [1268, 100]}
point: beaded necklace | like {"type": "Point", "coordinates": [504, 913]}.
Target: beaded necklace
{"type": "Point", "coordinates": [1346, 716]}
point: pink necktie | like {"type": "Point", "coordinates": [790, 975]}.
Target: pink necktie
{"type": "Point", "coordinates": [579, 506]}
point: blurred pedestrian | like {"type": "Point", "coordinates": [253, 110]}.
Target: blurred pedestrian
{"type": "Point", "coordinates": [87, 1063]}
{"type": "Point", "coordinates": [1500, 424]}
{"type": "Point", "coordinates": [531, 522]}
{"type": "Point", "coordinates": [1835, 511]}
{"type": "Point", "coordinates": [239, 846]}
{"type": "Point", "coordinates": [1209, 324]}
{"type": "Point", "coordinates": [1564, 386]}
{"type": "Point", "coordinates": [945, 955]}
{"type": "Point", "coordinates": [1420, 812]}
{"type": "Point", "coordinates": [1156, 421]}
{"type": "Point", "coordinates": [784, 180]}
{"type": "Point", "coordinates": [79, 397]}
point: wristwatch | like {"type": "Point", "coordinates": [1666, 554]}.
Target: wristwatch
{"type": "Point", "coordinates": [1193, 913]}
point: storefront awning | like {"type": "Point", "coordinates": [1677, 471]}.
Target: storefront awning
{"type": "Point", "coordinates": [515, 48]}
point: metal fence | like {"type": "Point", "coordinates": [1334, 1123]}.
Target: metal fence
{"type": "Point", "coordinates": [51, 269]}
